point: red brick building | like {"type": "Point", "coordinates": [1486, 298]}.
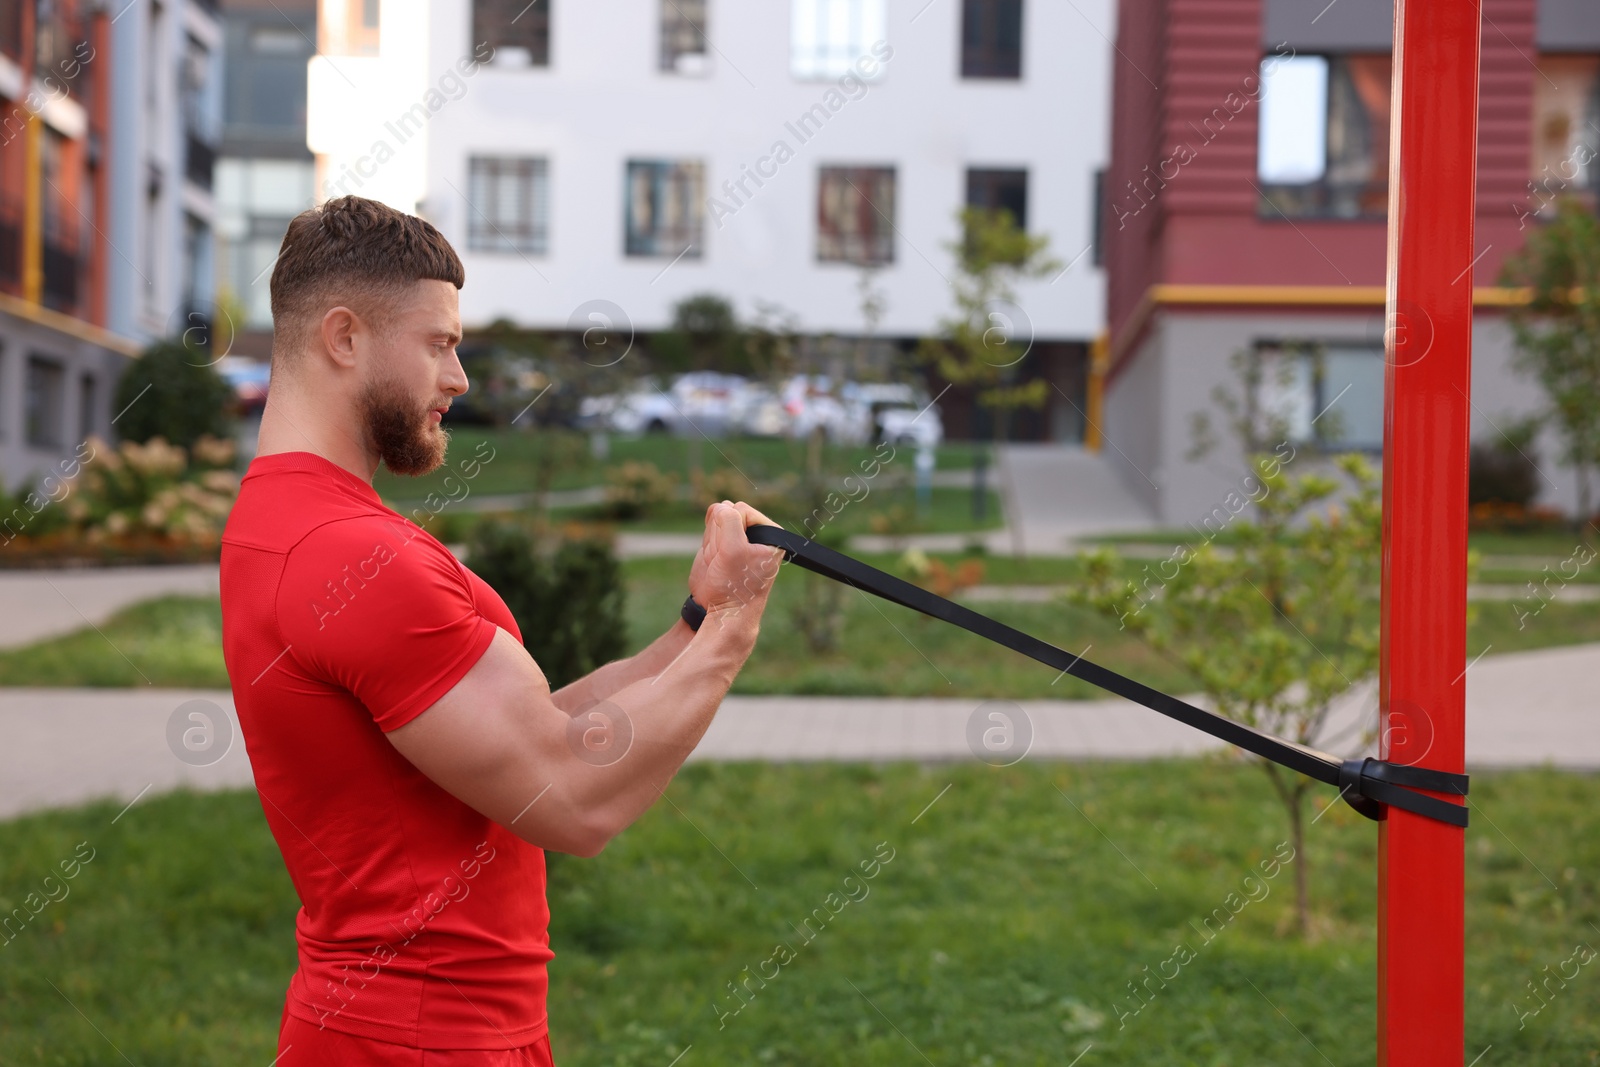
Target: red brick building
{"type": "Point", "coordinates": [58, 362]}
{"type": "Point", "coordinates": [1244, 213]}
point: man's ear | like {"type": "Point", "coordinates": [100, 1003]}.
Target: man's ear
{"type": "Point", "coordinates": [339, 327]}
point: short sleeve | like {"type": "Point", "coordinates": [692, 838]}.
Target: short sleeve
{"type": "Point", "coordinates": [380, 609]}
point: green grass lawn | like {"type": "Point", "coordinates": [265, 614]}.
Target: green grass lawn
{"type": "Point", "coordinates": [1004, 930]}
{"type": "Point", "coordinates": [1555, 544]}
{"type": "Point", "coordinates": [883, 650]}
{"type": "Point", "coordinates": [514, 467]}
{"type": "Point", "coordinates": [169, 641]}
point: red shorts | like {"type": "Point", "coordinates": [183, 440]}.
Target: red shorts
{"type": "Point", "coordinates": [304, 1044]}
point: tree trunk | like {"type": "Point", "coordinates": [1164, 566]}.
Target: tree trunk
{"type": "Point", "coordinates": [1297, 839]}
{"type": "Point", "coordinates": [1585, 511]}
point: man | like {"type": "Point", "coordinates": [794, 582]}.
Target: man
{"type": "Point", "coordinates": [412, 762]}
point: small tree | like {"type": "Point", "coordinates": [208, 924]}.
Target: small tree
{"type": "Point", "coordinates": [978, 345]}
{"type": "Point", "coordinates": [1281, 623]}
{"type": "Point", "coordinates": [173, 391]}
{"type": "Point", "coordinates": [1558, 333]}
{"type": "Point", "coordinates": [705, 335]}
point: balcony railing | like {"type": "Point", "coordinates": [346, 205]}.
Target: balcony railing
{"type": "Point", "coordinates": [10, 244]}
{"type": "Point", "coordinates": [64, 57]}
{"type": "Point", "coordinates": [63, 266]}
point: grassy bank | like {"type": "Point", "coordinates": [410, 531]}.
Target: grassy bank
{"type": "Point", "coordinates": [1004, 930]}
{"type": "Point", "coordinates": [882, 650]}
{"type": "Point", "coordinates": [519, 458]}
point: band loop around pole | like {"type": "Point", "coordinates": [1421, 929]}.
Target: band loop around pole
{"type": "Point", "coordinates": [1370, 786]}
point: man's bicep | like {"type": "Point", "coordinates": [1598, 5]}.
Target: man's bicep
{"type": "Point", "coordinates": [496, 742]}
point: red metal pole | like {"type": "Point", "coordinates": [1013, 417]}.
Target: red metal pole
{"type": "Point", "coordinates": [1426, 425]}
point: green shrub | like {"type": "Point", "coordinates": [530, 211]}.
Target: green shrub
{"type": "Point", "coordinates": [1502, 470]}
{"type": "Point", "coordinates": [567, 598]}
{"type": "Point", "coordinates": [172, 391]}
{"type": "Point", "coordinates": [636, 489]}
{"type": "Point", "coordinates": [727, 483]}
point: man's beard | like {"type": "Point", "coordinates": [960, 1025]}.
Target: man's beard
{"type": "Point", "coordinates": [401, 429]}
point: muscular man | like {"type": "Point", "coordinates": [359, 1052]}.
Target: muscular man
{"type": "Point", "coordinates": [412, 762]}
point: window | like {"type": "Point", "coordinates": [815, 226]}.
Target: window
{"type": "Point", "coordinates": [198, 278]}
{"type": "Point", "coordinates": [264, 82]}
{"type": "Point", "coordinates": [996, 191]}
{"type": "Point", "coordinates": [44, 393]}
{"type": "Point", "coordinates": [1329, 394]}
{"type": "Point", "coordinates": [1323, 148]}
{"type": "Point", "coordinates": [991, 38]}
{"type": "Point", "coordinates": [256, 199]}
{"type": "Point", "coordinates": [828, 36]}
{"type": "Point", "coordinates": [683, 36]}
{"type": "Point", "coordinates": [199, 116]}
{"type": "Point", "coordinates": [1566, 129]}
{"type": "Point", "coordinates": [277, 41]}
{"type": "Point", "coordinates": [518, 30]}
{"type": "Point", "coordinates": [1000, 190]}
{"type": "Point", "coordinates": [1097, 225]}
{"type": "Point", "coordinates": [153, 260]}
{"type": "Point", "coordinates": [510, 205]}
{"type": "Point", "coordinates": [855, 215]}
{"type": "Point", "coordinates": [664, 209]}
{"type": "Point", "coordinates": [87, 398]}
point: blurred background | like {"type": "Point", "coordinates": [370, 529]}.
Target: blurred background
{"type": "Point", "coordinates": [1071, 309]}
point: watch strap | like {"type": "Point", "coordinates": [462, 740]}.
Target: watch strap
{"type": "Point", "coordinates": [692, 612]}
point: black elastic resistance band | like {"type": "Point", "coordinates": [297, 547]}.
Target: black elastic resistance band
{"type": "Point", "coordinates": [1366, 784]}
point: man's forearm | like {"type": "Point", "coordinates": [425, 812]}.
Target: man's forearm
{"type": "Point", "coordinates": [602, 683]}
{"type": "Point", "coordinates": [668, 713]}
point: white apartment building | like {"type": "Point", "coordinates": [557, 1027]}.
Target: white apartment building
{"type": "Point", "coordinates": [166, 114]}
{"type": "Point", "coordinates": [638, 151]}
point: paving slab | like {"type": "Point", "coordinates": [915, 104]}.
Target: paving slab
{"type": "Point", "coordinates": [68, 746]}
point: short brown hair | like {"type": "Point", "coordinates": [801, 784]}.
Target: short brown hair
{"type": "Point", "coordinates": [356, 252]}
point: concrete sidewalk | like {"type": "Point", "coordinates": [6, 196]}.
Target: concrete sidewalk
{"type": "Point", "coordinates": [50, 602]}
{"type": "Point", "coordinates": [68, 746]}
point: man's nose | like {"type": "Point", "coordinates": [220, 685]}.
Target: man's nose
{"type": "Point", "coordinates": [454, 380]}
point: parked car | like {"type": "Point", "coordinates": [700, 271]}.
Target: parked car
{"type": "Point", "coordinates": [249, 379]}
{"type": "Point", "coordinates": [901, 414]}
{"type": "Point", "coordinates": [856, 413]}
{"type": "Point", "coordinates": [707, 402]}
{"type": "Point", "coordinates": [911, 426]}
{"type": "Point", "coordinates": [697, 402]}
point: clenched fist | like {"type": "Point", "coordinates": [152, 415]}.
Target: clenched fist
{"type": "Point", "coordinates": [730, 575]}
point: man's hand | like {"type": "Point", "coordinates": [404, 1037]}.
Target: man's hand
{"type": "Point", "coordinates": [729, 573]}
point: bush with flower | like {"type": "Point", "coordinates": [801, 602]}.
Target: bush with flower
{"type": "Point", "coordinates": [154, 491]}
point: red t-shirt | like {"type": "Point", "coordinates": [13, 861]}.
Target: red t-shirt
{"type": "Point", "coordinates": [422, 922]}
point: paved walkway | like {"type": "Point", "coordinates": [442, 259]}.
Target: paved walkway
{"type": "Point", "coordinates": [67, 746]}
{"type": "Point", "coordinates": [46, 603]}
